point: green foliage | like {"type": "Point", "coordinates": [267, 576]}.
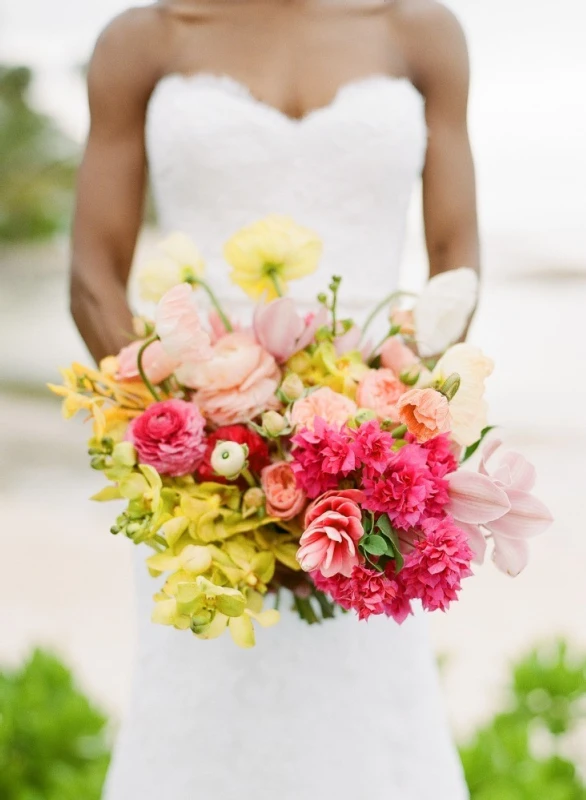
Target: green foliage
{"type": "Point", "coordinates": [519, 754]}
{"type": "Point", "coordinates": [37, 165]}
{"type": "Point", "coordinates": [52, 740]}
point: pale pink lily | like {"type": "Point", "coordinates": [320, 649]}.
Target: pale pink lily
{"type": "Point", "coordinates": [282, 331]}
{"type": "Point", "coordinates": [497, 503]}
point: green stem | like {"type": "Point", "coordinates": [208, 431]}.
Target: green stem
{"type": "Point", "coordinates": [272, 273]}
{"type": "Point", "coordinates": [141, 371]}
{"type": "Point", "coordinates": [248, 477]}
{"type": "Point", "coordinates": [383, 303]}
{"type": "Point", "coordinates": [215, 302]}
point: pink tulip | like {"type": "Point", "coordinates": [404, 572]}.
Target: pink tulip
{"type": "Point", "coordinates": [350, 340]}
{"type": "Point", "coordinates": [281, 330]}
{"type": "Point", "coordinates": [498, 501]}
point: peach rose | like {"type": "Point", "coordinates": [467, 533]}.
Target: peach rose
{"type": "Point", "coordinates": [284, 498]}
{"type": "Point", "coordinates": [425, 412]}
{"type": "Point", "coordinates": [395, 355]}
{"type": "Point", "coordinates": [380, 390]}
{"type": "Point", "coordinates": [334, 408]}
{"type": "Point", "coordinates": [156, 363]}
{"type": "Point", "coordinates": [237, 383]}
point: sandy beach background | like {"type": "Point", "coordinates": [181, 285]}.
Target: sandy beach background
{"type": "Point", "coordinates": [66, 584]}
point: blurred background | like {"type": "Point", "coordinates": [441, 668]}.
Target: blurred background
{"type": "Point", "coordinates": [65, 585]}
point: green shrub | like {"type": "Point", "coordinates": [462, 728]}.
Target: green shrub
{"type": "Point", "coordinates": [519, 755]}
{"type": "Point", "coordinates": [53, 743]}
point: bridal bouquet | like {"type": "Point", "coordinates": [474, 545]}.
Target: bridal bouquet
{"type": "Point", "coordinates": [295, 455]}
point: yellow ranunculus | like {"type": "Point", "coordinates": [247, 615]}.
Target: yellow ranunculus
{"type": "Point", "coordinates": [180, 262]}
{"type": "Point", "coordinates": [267, 255]}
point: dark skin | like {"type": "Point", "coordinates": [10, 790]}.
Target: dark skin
{"type": "Point", "coordinates": [292, 54]}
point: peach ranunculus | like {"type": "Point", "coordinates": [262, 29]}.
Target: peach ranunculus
{"type": "Point", "coordinates": [237, 383]}
{"type": "Point", "coordinates": [179, 327]}
{"type": "Point", "coordinates": [397, 356]}
{"type": "Point", "coordinates": [380, 390]}
{"type": "Point", "coordinates": [333, 529]}
{"type": "Point", "coordinates": [425, 412]}
{"type": "Point", "coordinates": [157, 365]}
{"type": "Point", "coordinates": [284, 498]}
{"type": "Point", "coordinates": [334, 408]}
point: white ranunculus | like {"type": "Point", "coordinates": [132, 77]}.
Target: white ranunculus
{"type": "Point", "coordinates": [468, 409]}
{"type": "Point", "coordinates": [443, 309]}
{"type": "Point", "coordinates": [228, 459]}
{"type": "Point", "coordinates": [180, 261]}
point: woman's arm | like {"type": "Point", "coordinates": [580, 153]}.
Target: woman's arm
{"type": "Point", "coordinates": [111, 182]}
{"type": "Point", "coordinates": [438, 57]}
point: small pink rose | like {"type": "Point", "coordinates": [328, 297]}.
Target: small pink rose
{"type": "Point", "coordinates": [380, 390]}
{"type": "Point", "coordinates": [178, 326]}
{"type": "Point", "coordinates": [425, 412]}
{"type": "Point", "coordinates": [157, 365]}
{"type": "Point", "coordinates": [333, 530]}
{"type": "Point", "coordinates": [334, 408]}
{"type": "Point", "coordinates": [169, 436]}
{"type": "Point", "coordinates": [284, 498]}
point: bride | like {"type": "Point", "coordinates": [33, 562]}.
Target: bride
{"type": "Point", "coordinates": [326, 111]}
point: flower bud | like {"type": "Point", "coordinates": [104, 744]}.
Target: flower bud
{"type": "Point", "coordinates": [124, 454]}
{"type": "Point", "coordinates": [450, 386]}
{"type": "Point", "coordinates": [410, 376]}
{"type": "Point", "coordinates": [300, 362]}
{"type": "Point", "coordinates": [362, 415]}
{"type": "Point", "coordinates": [143, 328]}
{"type": "Point", "coordinates": [292, 388]}
{"type": "Point", "coordinates": [273, 423]}
{"type": "Point", "coordinates": [253, 500]}
{"type": "Point", "coordinates": [229, 459]}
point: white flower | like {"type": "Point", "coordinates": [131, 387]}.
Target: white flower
{"type": "Point", "coordinates": [468, 409]}
{"type": "Point", "coordinates": [443, 309]}
{"type": "Point", "coordinates": [229, 459]}
{"type": "Point", "coordinates": [180, 261]}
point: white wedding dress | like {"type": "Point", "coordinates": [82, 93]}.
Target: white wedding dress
{"type": "Point", "coordinates": [348, 710]}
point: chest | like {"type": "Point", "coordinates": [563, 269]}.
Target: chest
{"type": "Point", "coordinates": [292, 58]}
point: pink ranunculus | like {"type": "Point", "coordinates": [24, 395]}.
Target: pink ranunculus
{"type": "Point", "coordinates": [284, 498]}
{"type": "Point", "coordinates": [237, 383]}
{"type": "Point", "coordinates": [334, 408]}
{"type": "Point", "coordinates": [333, 529]}
{"type": "Point", "coordinates": [169, 436]}
{"type": "Point", "coordinates": [396, 356]}
{"type": "Point", "coordinates": [179, 328]}
{"type": "Point", "coordinates": [498, 502]}
{"type": "Point", "coordinates": [425, 412]}
{"type": "Point", "coordinates": [157, 365]}
{"type": "Point", "coordinates": [380, 390]}
{"type": "Point", "coordinates": [282, 331]}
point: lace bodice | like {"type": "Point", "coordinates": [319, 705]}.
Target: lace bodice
{"type": "Point", "coordinates": [220, 159]}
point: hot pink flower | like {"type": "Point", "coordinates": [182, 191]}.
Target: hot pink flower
{"type": "Point", "coordinates": [440, 455]}
{"type": "Point", "coordinates": [405, 488]}
{"type": "Point", "coordinates": [237, 383]}
{"type": "Point", "coordinates": [434, 569]}
{"type": "Point", "coordinates": [324, 403]}
{"type": "Point", "coordinates": [322, 456]}
{"type": "Point", "coordinates": [169, 436]}
{"type": "Point", "coordinates": [285, 499]}
{"type": "Point", "coordinates": [178, 326]}
{"type": "Point", "coordinates": [372, 446]}
{"type": "Point", "coordinates": [157, 365]}
{"type": "Point", "coordinates": [333, 530]}
{"type": "Point", "coordinates": [396, 356]}
{"type": "Point", "coordinates": [282, 331]}
{"type": "Point", "coordinates": [380, 390]}
{"type": "Point", "coordinates": [425, 412]}
{"type": "Point", "coordinates": [499, 500]}
{"type": "Point", "coordinates": [367, 592]}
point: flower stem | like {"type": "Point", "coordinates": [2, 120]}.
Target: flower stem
{"type": "Point", "coordinates": [248, 477]}
{"type": "Point", "coordinates": [383, 303]}
{"type": "Point", "coordinates": [272, 273]}
{"type": "Point", "coordinates": [215, 302]}
{"type": "Point", "coordinates": [141, 371]}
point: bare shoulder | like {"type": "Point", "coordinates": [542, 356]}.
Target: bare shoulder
{"type": "Point", "coordinates": [434, 41]}
{"type": "Point", "coordinates": [132, 50]}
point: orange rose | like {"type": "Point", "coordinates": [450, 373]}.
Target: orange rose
{"type": "Point", "coordinates": [425, 412]}
{"type": "Point", "coordinates": [284, 498]}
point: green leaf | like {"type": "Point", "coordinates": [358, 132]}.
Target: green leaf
{"type": "Point", "coordinates": [383, 523]}
{"type": "Point", "coordinates": [375, 545]}
{"type": "Point", "coordinates": [469, 452]}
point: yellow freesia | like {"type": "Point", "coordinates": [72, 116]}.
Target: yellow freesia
{"type": "Point", "coordinates": [267, 255]}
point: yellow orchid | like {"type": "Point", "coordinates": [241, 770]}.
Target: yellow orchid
{"type": "Point", "coordinates": [241, 628]}
{"type": "Point", "coordinates": [324, 367]}
{"type": "Point", "coordinates": [267, 255]}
